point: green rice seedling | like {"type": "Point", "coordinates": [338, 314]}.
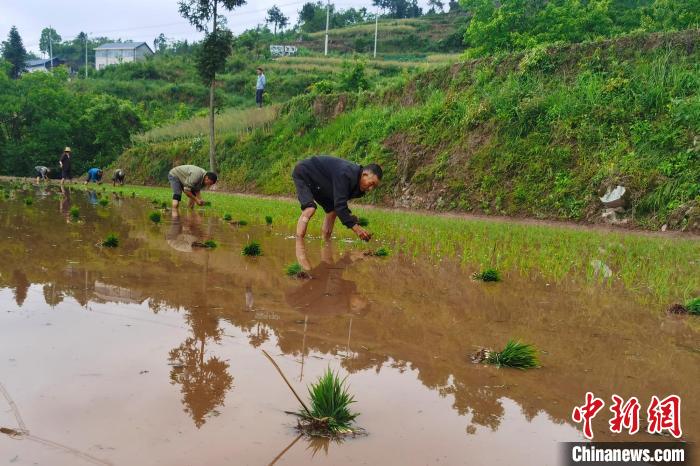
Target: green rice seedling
{"type": "Point", "coordinates": [104, 202]}
{"type": "Point", "coordinates": [210, 244]}
{"type": "Point", "coordinates": [207, 204]}
{"type": "Point", "coordinates": [112, 241]}
{"type": "Point", "coordinates": [29, 201]}
{"type": "Point", "coordinates": [163, 205]}
{"type": "Point", "coordinates": [293, 269]}
{"type": "Point", "coordinates": [74, 213]}
{"type": "Point", "coordinates": [268, 220]}
{"type": "Point", "coordinates": [693, 306]}
{"type": "Point", "coordinates": [488, 275]}
{"type": "Point", "coordinates": [330, 406]}
{"type": "Point", "coordinates": [252, 249]}
{"type": "Point", "coordinates": [155, 217]}
{"type": "Point", "coordinates": [363, 221]}
{"type": "Point", "coordinates": [515, 354]}
{"type": "Point", "coordinates": [382, 252]}
{"type": "Point", "coordinates": [133, 194]}
{"type": "Point", "coordinates": [242, 223]}
{"type": "Point", "coordinates": [155, 201]}
{"type": "Point", "coordinates": [228, 217]}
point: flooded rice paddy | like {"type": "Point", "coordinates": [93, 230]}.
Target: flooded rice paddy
{"type": "Point", "coordinates": [151, 353]}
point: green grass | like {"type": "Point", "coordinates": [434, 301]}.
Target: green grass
{"type": "Point", "coordinates": [655, 269]}
{"type": "Point", "coordinates": [231, 121]}
{"type": "Point", "coordinates": [104, 202]}
{"type": "Point", "coordinates": [154, 217]}
{"type": "Point", "coordinates": [74, 213]}
{"type": "Point", "coordinates": [330, 403]}
{"type": "Point", "coordinates": [252, 249]}
{"type": "Point", "coordinates": [293, 269]}
{"type": "Point", "coordinates": [488, 275]}
{"type": "Point", "coordinates": [515, 354]}
{"type": "Point", "coordinates": [228, 217]}
{"type": "Point", "coordinates": [693, 306]}
{"type": "Point", "coordinates": [112, 241]}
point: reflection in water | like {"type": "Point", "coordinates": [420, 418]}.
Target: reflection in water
{"type": "Point", "coordinates": [327, 292]}
{"type": "Point", "coordinates": [184, 231]}
{"type": "Point", "coordinates": [204, 381]}
{"type": "Point", "coordinates": [21, 286]}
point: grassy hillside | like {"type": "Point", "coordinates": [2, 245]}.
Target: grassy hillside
{"type": "Point", "coordinates": [541, 133]}
{"type": "Point", "coordinates": [436, 33]}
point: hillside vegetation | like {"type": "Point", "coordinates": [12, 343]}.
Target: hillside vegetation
{"type": "Point", "coordinates": [539, 133]}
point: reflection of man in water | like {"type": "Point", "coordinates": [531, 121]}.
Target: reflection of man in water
{"type": "Point", "coordinates": [327, 292]}
{"type": "Point", "coordinates": [183, 232]}
{"type": "Point", "coordinates": [64, 203]}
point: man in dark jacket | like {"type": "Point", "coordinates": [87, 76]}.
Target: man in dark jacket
{"type": "Point", "coordinates": [332, 182]}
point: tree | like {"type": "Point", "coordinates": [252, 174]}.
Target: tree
{"type": "Point", "coordinates": [160, 43]}
{"type": "Point", "coordinates": [436, 5]}
{"type": "Point", "coordinates": [276, 17]}
{"type": "Point", "coordinates": [214, 51]}
{"type": "Point", "coordinates": [454, 6]}
{"type": "Point", "coordinates": [14, 52]}
{"type": "Point", "coordinates": [49, 37]}
{"type": "Point", "coordinates": [400, 8]}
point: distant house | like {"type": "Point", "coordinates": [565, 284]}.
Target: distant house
{"type": "Point", "coordinates": [120, 52]}
{"type": "Point", "coordinates": [42, 64]}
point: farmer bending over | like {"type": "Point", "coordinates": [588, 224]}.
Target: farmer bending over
{"type": "Point", "coordinates": [332, 182]}
{"type": "Point", "coordinates": [118, 177]}
{"type": "Point", "coordinates": [94, 174]}
{"type": "Point", "coordinates": [42, 173]}
{"type": "Point", "coordinates": [190, 180]}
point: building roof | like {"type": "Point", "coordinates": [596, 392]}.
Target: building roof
{"type": "Point", "coordinates": [122, 46]}
{"type": "Point", "coordinates": [40, 61]}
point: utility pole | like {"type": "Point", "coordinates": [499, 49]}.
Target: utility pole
{"type": "Point", "coordinates": [51, 47]}
{"type": "Point", "coordinates": [328, 17]}
{"type": "Point", "coordinates": [376, 32]}
{"type": "Point", "coordinates": [86, 63]}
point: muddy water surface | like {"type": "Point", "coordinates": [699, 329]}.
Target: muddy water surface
{"type": "Point", "coordinates": [150, 354]}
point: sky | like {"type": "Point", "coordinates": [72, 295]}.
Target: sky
{"type": "Point", "coordinates": [139, 20]}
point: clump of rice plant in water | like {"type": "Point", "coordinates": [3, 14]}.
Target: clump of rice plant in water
{"type": "Point", "coordinates": [330, 407]}
{"type": "Point", "coordinates": [268, 220]}
{"type": "Point", "coordinates": [239, 223]}
{"type": "Point", "coordinates": [488, 275]}
{"type": "Point", "coordinates": [693, 306]}
{"type": "Point", "coordinates": [296, 271]}
{"type": "Point", "coordinates": [154, 217]}
{"type": "Point", "coordinates": [515, 354]}
{"type": "Point", "coordinates": [228, 217]}
{"type": "Point", "coordinates": [207, 204]}
{"type": "Point", "coordinates": [363, 221]}
{"type": "Point", "coordinates": [155, 201]}
{"type": "Point", "coordinates": [252, 249]}
{"type": "Point", "coordinates": [29, 201]}
{"type": "Point", "coordinates": [381, 252]}
{"type": "Point", "coordinates": [74, 213]}
{"type": "Point", "coordinates": [133, 194]}
{"type": "Point", "coordinates": [163, 205]}
{"type": "Point", "coordinates": [104, 202]}
{"type": "Point", "coordinates": [112, 241]}
{"type": "Point", "coordinates": [208, 244]}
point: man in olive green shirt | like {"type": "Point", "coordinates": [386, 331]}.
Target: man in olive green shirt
{"type": "Point", "coordinates": [190, 180]}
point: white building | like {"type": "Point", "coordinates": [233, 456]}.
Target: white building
{"type": "Point", "coordinates": [120, 52]}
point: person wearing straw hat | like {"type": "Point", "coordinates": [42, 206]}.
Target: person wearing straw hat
{"type": "Point", "coordinates": [64, 162]}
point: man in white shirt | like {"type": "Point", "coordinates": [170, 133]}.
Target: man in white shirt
{"type": "Point", "coordinates": [260, 88]}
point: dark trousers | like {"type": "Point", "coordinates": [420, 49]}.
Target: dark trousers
{"type": "Point", "coordinates": [259, 96]}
